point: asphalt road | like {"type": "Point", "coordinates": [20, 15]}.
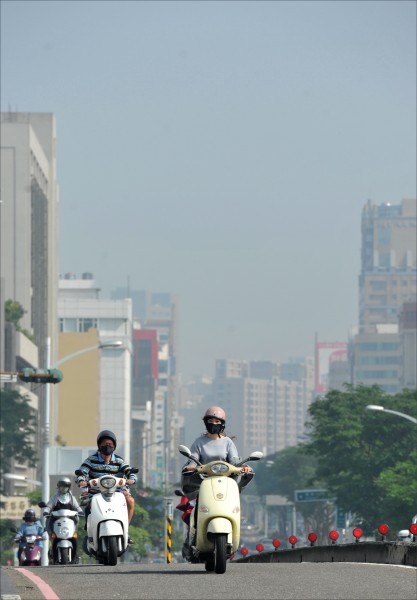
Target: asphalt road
{"type": "Point", "coordinates": [181, 581]}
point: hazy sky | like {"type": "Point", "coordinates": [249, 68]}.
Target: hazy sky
{"type": "Point", "coordinates": [222, 151]}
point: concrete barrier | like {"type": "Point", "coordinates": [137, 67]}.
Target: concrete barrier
{"type": "Point", "coordinates": [391, 553]}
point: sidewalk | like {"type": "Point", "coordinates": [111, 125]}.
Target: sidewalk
{"type": "Point", "coordinates": [7, 588]}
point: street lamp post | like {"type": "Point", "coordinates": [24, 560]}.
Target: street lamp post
{"type": "Point", "coordinates": [46, 445]}
{"type": "Point", "coordinates": [377, 407]}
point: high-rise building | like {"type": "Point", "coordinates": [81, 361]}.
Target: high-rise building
{"type": "Point", "coordinates": [266, 403]}
{"type": "Point", "coordinates": [81, 311]}
{"type": "Point", "coordinates": [387, 282]}
{"type": "Point", "coordinates": [388, 262]}
{"type": "Point", "coordinates": [29, 246]}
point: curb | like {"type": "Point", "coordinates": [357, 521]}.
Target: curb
{"type": "Point", "coordinates": [391, 553]}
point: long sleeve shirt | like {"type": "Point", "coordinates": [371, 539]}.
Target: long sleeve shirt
{"type": "Point", "coordinates": [95, 466]}
{"type": "Point", "coordinates": [58, 501]}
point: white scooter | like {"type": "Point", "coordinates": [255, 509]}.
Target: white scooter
{"type": "Point", "coordinates": [215, 520]}
{"type": "Point", "coordinates": [107, 523]}
{"type": "Point", "coordinates": [64, 535]}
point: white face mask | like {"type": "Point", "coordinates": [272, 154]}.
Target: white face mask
{"type": "Point", "coordinates": [64, 498]}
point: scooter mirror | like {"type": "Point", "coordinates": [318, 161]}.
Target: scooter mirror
{"type": "Point", "coordinates": [41, 504]}
{"type": "Point", "coordinates": [184, 450]}
{"type": "Point", "coordinates": [256, 455]}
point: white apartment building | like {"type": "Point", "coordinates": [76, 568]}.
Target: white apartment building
{"type": "Point", "coordinates": [80, 310]}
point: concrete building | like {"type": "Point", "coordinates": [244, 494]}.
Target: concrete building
{"type": "Point", "coordinates": [388, 261]}
{"type": "Point", "coordinates": [388, 281]}
{"type": "Point", "coordinates": [29, 247]}
{"type": "Point", "coordinates": [100, 383]}
{"type": "Point", "coordinates": [264, 411]}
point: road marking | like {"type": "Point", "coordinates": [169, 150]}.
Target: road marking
{"type": "Point", "coordinates": [43, 587]}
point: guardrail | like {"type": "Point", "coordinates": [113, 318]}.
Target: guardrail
{"type": "Point", "coordinates": [393, 553]}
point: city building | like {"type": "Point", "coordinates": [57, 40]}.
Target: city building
{"type": "Point", "coordinates": [379, 353]}
{"type": "Point", "coordinates": [102, 379]}
{"type": "Point", "coordinates": [266, 403]}
{"type": "Point", "coordinates": [29, 251]}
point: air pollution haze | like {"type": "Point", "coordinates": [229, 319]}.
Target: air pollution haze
{"type": "Point", "coordinates": [222, 152]}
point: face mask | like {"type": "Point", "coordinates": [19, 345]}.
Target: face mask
{"type": "Point", "coordinates": [214, 427]}
{"type": "Point", "coordinates": [106, 450]}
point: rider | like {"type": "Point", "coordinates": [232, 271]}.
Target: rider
{"type": "Point", "coordinates": [30, 526]}
{"type": "Point", "coordinates": [63, 499]}
{"type": "Point", "coordinates": [105, 462]}
{"type": "Point", "coordinates": [212, 445]}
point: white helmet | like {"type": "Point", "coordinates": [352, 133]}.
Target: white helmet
{"type": "Point", "coordinates": [404, 535]}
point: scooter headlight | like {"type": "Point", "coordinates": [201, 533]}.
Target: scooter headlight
{"type": "Point", "coordinates": [31, 539]}
{"type": "Point", "coordinates": [65, 531]}
{"type": "Point", "coordinates": [218, 468]}
{"type": "Point", "coordinates": [107, 482]}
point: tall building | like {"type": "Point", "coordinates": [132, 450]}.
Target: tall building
{"type": "Point", "coordinates": [387, 282]}
{"type": "Point", "coordinates": [266, 403]}
{"type": "Point", "coordinates": [82, 311]}
{"type": "Point", "coordinates": [29, 246]}
{"type": "Point", "coordinates": [388, 262]}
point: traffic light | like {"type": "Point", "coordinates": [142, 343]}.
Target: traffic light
{"type": "Point", "coordinates": [41, 375]}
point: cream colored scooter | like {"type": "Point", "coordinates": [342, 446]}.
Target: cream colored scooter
{"type": "Point", "coordinates": [215, 520]}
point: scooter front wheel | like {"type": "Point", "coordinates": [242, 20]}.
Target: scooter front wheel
{"type": "Point", "coordinates": [64, 552]}
{"type": "Point", "coordinates": [220, 553]}
{"type": "Point", "coordinates": [110, 550]}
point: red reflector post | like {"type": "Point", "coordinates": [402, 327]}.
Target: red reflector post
{"type": "Point", "coordinates": [357, 533]}
{"type": "Point", "coordinates": [334, 535]}
{"type": "Point", "coordinates": [276, 543]}
{"type": "Point", "coordinates": [413, 529]}
{"type": "Point", "coordinates": [312, 537]}
{"type": "Point", "coordinates": [383, 530]}
{"type": "Point", "coordinates": [260, 547]}
{"type": "Point", "coordinates": [244, 551]}
{"type": "Point", "coordinates": [293, 540]}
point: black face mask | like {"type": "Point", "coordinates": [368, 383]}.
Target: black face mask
{"type": "Point", "coordinates": [215, 427]}
{"type": "Point", "coordinates": [106, 450]}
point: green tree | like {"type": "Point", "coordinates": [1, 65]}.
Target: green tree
{"type": "Point", "coordinates": [13, 312]}
{"type": "Point", "coordinates": [289, 470]}
{"type": "Point", "coordinates": [17, 428]}
{"type": "Point", "coordinates": [364, 456]}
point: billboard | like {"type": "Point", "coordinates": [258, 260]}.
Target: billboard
{"type": "Point", "coordinates": [325, 353]}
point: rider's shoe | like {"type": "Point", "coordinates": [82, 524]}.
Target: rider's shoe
{"type": "Point", "coordinates": [130, 541]}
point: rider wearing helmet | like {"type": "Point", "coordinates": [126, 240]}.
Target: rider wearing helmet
{"type": "Point", "coordinates": [103, 462]}
{"type": "Point", "coordinates": [212, 445]}
{"type": "Point", "coordinates": [30, 526]}
{"type": "Point", "coordinates": [62, 499]}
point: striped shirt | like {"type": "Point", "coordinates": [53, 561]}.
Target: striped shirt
{"type": "Point", "coordinates": [95, 466]}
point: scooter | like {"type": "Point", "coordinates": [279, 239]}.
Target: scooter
{"type": "Point", "coordinates": [214, 533]}
{"type": "Point", "coordinates": [107, 522]}
{"type": "Point", "coordinates": [64, 535]}
{"type": "Point", "coordinates": [31, 551]}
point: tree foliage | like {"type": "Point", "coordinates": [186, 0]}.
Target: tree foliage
{"type": "Point", "coordinates": [17, 428]}
{"type": "Point", "coordinates": [366, 459]}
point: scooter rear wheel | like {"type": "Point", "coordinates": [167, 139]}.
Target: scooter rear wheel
{"type": "Point", "coordinates": [220, 553]}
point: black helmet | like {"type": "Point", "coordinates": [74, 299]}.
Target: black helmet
{"type": "Point", "coordinates": [29, 516]}
{"type": "Point", "coordinates": [106, 433]}
{"type": "Point", "coordinates": [64, 485]}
